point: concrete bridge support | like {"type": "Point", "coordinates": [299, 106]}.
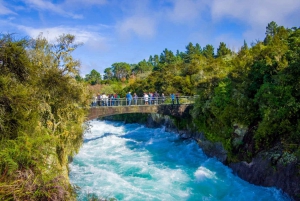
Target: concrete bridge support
{"type": "Point", "coordinates": [181, 111]}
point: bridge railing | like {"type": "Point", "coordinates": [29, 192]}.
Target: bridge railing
{"type": "Point", "coordinates": [112, 102]}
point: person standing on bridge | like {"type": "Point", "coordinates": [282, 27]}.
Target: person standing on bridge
{"type": "Point", "coordinates": [163, 98]}
{"type": "Point", "coordinates": [150, 98]}
{"type": "Point", "coordinates": [99, 99]}
{"type": "Point", "coordinates": [118, 99]}
{"type": "Point", "coordinates": [129, 98]}
{"type": "Point", "coordinates": [105, 99]}
{"type": "Point", "coordinates": [177, 98]}
{"type": "Point", "coordinates": [135, 98]}
{"type": "Point", "coordinates": [172, 98]}
{"type": "Point", "coordinates": [156, 96]}
{"type": "Point", "coordinates": [146, 98]}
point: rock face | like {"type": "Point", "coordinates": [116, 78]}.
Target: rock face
{"type": "Point", "coordinates": [271, 169]}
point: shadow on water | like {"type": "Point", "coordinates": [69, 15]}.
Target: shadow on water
{"type": "Point", "coordinates": [96, 138]}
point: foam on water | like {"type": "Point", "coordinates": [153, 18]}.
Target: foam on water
{"type": "Point", "coordinates": [131, 162]}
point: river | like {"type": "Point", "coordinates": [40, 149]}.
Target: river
{"type": "Point", "coordinates": [132, 162]}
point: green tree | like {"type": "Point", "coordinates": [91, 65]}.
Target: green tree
{"type": "Point", "coordinates": [121, 70]}
{"type": "Point", "coordinates": [42, 112]}
{"type": "Point", "coordinates": [223, 50]}
{"type": "Point", "coordinates": [271, 29]}
{"type": "Point", "coordinates": [108, 74]}
{"type": "Point", "coordinates": [208, 51]}
{"type": "Point", "coordinates": [142, 67]}
{"type": "Point", "coordinates": [93, 78]}
{"type": "Point", "coordinates": [62, 51]}
{"type": "Point", "coordinates": [167, 56]}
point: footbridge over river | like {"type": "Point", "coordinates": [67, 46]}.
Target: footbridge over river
{"type": "Point", "coordinates": [166, 106]}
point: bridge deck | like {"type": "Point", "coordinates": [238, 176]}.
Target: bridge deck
{"type": "Point", "coordinates": [109, 102]}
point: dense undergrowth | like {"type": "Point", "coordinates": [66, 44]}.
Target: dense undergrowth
{"type": "Point", "coordinates": [41, 117]}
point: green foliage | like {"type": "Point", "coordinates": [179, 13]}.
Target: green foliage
{"type": "Point", "coordinates": [260, 89]}
{"type": "Point", "coordinates": [121, 70]}
{"type": "Point", "coordinates": [93, 78]}
{"type": "Point", "coordinates": [208, 51]}
{"type": "Point", "coordinates": [41, 116]}
{"type": "Point", "coordinates": [223, 50]}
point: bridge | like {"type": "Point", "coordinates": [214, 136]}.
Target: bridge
{"type": "Point", "coordinates": [178, 108]}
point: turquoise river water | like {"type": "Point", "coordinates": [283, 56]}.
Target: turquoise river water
{"type": "Point", "coordinates": [132, 162]}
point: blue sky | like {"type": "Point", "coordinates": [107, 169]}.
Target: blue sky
{"type": "Point", "coordinates": [132, 30]}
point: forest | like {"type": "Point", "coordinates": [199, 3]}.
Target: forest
{"type": "Point", "coordinates": [43, 100]}
{"type": "Point", "coordinates": [256, 88]}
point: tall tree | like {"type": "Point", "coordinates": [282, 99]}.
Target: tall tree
{"type": "Point", "coordinates": [167, 56]}
{"type": "Point", "coordinates": [93, 78]}
{"type": "Point", "coordinates": [62, 52]}
{"type": "Point", "coordinates": [223, 50]}
{"type": "Point", "coordinates": [121, 70]}
{"type": "Point", "coordinates": [271, 28]}
{"type": "Point", "coordinates": [108, 74]}
{"type": "Point", "coordinates": [208, 51]}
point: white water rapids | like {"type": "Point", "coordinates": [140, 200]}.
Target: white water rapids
{"type": "Point", "coordinates": [132, 162]}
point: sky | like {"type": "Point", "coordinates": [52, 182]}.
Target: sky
{"type": "Point", "coordinates": [131, 30]}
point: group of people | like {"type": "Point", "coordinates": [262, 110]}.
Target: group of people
{"type": "Point", "coordinates": [106, 100]}
{"type": "Point", "coordinates": [154, 98]}
{"type": "Point", "coordinates": [147, 99]}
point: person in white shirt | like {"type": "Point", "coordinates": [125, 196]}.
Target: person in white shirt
{"type": "Point", "coordinates": [146, 98]}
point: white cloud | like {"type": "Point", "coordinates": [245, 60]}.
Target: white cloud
{"type": "Point", "coordinates": [139, 25]}
{"type": "Point", "coordinates": [85, 2]}
{"type": "Point", "coordinates": [186, 10]}
{"type": "Point", "coordinates": [88, 36]}
{"type": "Point", "coordinates": [4, 10]}
{"type": "Point", "coordinates": [256, 11]}
{"type": "Point", "coordinates": [256, 14]}
{"type": "Point", "coordinates": [48, 6]}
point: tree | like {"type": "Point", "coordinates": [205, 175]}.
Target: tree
{"type": "Point", "coordinates": [208, 51]}
{"type": "Point", "coordinates": [193, 67]}
{"type": "Point", "coordinates": [121, 70]}
{"type": "Point", "coordinates": [93, 78]}
{"type": "Point", "coordinates": [191, 49]}
{"type": "Point", "coordinates": [223, 50]}
{"type": "Point", "coordinates": [167, 56]}
{"type": "Point", "coordinates": [42, 110]}
{"type": "Point", "coordinates": [245, 46]}
{"type": "Point", "coordinates": [192, 52]}
{"type": "Point", "coordinates": [142, 67]}
{"type": "Point", "coordinates": [271, 29]}
{"type": "Point", "coordinates": [108, 74]}
{"type": "Point", "coordinates": [62, 51]}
